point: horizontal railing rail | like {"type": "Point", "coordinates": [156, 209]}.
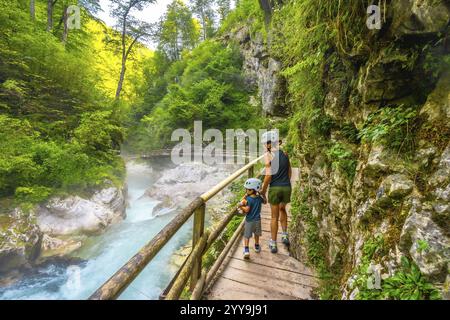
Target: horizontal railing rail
{"type": "Point", "coordinates": [192, 268]}
{"type": "Point", "coordinates": [196, 153]}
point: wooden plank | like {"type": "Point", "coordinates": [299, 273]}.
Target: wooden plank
{"type": "Point", "coordinates": [230, 247]}
{"type": "Point", "coordinates": [282, 250]}
{"type": "Point", "coordinates": [264, 243]}
{"type": "Point", "coordinates": [295, 277]}
{"type": "Point", "coordinates": [269, 283]}
{"type": "Point", "coordinates": [264, 275]}
{"type": "Point", "coordinates": [226, 289]}
{"type": "Point", "coordinates": [278, 262]}
{"type": "Point", "coordinates": [265, 224]}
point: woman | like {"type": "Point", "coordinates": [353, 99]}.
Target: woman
{"type": "Point", "coordinates": [278, 176]}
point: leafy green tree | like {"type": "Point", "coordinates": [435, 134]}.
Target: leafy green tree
{"type": "Point", "coordinates": [90, 6]}
{"type": "Point", "coordinates": [177, 31]}
{"type": "Point", "coordinates": [98, 135]}
{"type": "Point", "coordinates": [224, 8]}
{"type": "Point", "coordinates": [206, 84]}
{"type": "Point", "coordinates": [56, 133]}
{"type": "Point", "coordinates": [203, 9]}
{"type": "Point", "coordinates": [132, 30]}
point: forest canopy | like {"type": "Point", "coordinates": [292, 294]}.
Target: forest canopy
{"type": "Point", "coordinates": [69, 98]}
{"type": "Point", "coordinates": [60, 127]}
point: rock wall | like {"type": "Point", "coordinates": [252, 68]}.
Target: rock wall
{"type": "Point", "coordinates": [403, 200]}
{"type": "Point", "coordinates": [261, 71]}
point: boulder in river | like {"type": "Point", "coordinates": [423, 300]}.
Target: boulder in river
{"type": "Point", "coordinates": [56, 227]}
{"type": "Point", "coordinates": [177, 187]}
{"type": "Point", "coordinates": [20, 240]}
{"type": "Point", "coordinates": [74, 215]}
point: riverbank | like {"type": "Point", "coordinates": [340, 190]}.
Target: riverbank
{"type": "Point", "coordinates": [77, 274]}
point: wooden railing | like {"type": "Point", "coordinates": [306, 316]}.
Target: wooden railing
{"type": "Point", "coordinates": [201, 242]}
{"type": "Point", "coordinates": [168, 152]}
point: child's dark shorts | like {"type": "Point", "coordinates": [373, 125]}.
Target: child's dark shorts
{"type": "Point", "coordinates": [252, 227]}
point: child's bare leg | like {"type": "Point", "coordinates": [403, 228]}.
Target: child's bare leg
{"type": "Point", "coordinates": [246, 242]}
{"type": "Point", "coordinates": [256, 239]}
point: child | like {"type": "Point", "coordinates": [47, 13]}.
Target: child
{"type": "Point", "coordinates": [251, 207]}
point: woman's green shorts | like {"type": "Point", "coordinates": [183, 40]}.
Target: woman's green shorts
{"type": "Point", "coordinates": [279, 194]}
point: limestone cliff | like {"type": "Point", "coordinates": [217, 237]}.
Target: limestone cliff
{"type": "Point", "coordinates": [261, 70]}
{"type": "Point", "coordinates": [364, 202]}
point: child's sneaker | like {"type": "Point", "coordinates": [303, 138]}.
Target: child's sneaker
{"type": "Point", "coordinates": [246, 253]}
{"type": "Point", "coordinates": [285, 238]}
{"type": "Point", "coordinates": [273, 246]}
{"type": "Point", "coordinates": [257, 248]}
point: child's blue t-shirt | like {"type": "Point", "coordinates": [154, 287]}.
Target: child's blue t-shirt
{"type": "Point", "coordinates": [255, 208]}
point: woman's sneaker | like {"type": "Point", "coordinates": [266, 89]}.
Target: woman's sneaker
{"type": "Point", "coordinates": [273, 246]}
{"type": "Point", "coordinates": [246, 253]}
{"type": "Point", "coordinates": [257, 248]}
{"type": "Point", "coordinates": [285, 239]}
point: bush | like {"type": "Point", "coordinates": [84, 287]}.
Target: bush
{"type": "Point", "coordinates": [306, 36]}
{"type": "Point", "coordinates": [99, 135]}
{"type": "Point", "coordinates": [209, 86]}
{"type": "Point", "coordinates": [342, 158]}
{"type": "Point", "coordinates": [32, 168]}
{"type": "Point", "coordinates": [409, 284]}
{"type": "Point", "coordinates": [32, 195]}
{"type": "Point", "coordinates": [406, 284]}
{"type": "Point", "coordinates": [392, 126]}
{"type": "Point", "coordinates": [247, 11]}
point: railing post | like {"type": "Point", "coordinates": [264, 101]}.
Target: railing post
{"type": "Point", "coordinates": [251, 172]}
{"type": "Point", "coordinates": [199, 225]}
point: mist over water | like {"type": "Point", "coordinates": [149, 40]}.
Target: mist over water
{"type": "Point", "coordinates": [104, 254]}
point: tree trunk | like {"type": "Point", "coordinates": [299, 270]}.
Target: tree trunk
{"type": "Point", "coordinates": [33, 9]}
{"type": "Point", "coordinates": [266, 6]}
{"type": "Point", "coordinates": [204, 25]}
{"type": "Point", "coordinates": [125, 55]}
{"type": "Point", "coordinates": [122, 77]}
{"type": "Point", "coordinates": [49, 15]}
{"type": "Point", "coordinates": [66, 27]}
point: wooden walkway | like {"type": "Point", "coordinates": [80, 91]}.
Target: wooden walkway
{"type": "Point", "coordinates": [266, 276]}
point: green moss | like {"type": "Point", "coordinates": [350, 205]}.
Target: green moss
{"type": "Point", "coordinates": [406, 284]}
{"type": "Point", "coordinates": [310, 37]}
{"type": "Point", "coordinates": [248, 13]}
{"type": "Point", "coordinates": [315, 246]}
{"type": "Point", "coordinates": [186, 294]}
{"type": "Point", "coordinates": [342, 158]}
{"type": "Point", "coordinates": [393, 127]}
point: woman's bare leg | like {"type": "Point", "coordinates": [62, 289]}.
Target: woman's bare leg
{"type": "Point", "coordinates": [283, 217]}
{"type": "Point", "coordinates": [275, 208]}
